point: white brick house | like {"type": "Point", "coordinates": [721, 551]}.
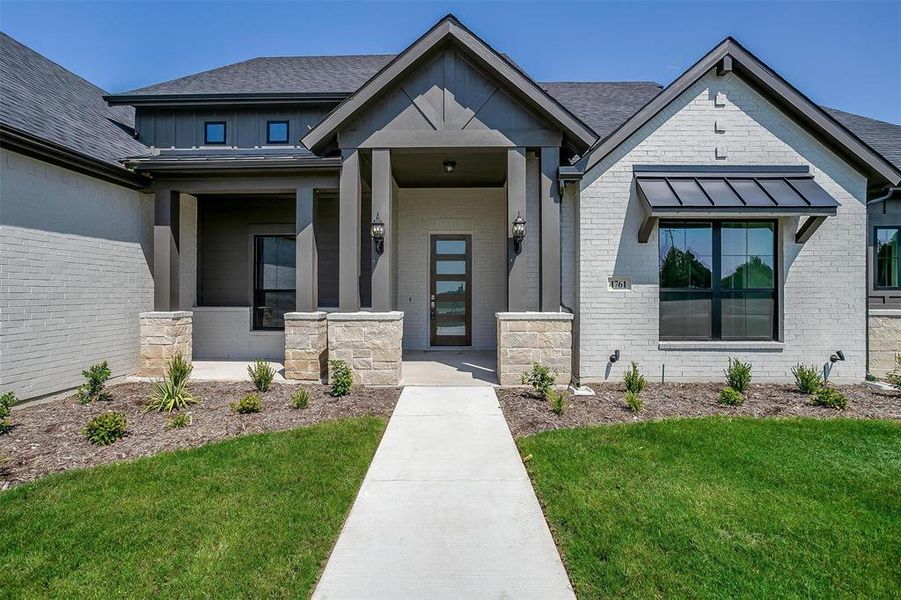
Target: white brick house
{"type": "Point", "coordinates": [366, 206]}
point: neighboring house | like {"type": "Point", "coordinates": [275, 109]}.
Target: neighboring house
{"type": "Point", "coordinates": [301, 208]}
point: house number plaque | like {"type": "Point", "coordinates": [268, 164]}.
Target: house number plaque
{"type": "Point", "coordinates": [616, 282]}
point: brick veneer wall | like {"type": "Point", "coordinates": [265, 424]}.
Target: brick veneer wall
{"type": "Point", "coordinates": [163, 335]}
{"type": "Point", "coordinates": [306, 345]}
{"type": "Point", "coordinates": [885, 340]}
{"type": "Point", "coordinates": [75, 272]}
{"type": "Point", "coordinates": [533, 337]}
{"type": "Point", "coordinates": [720, 121]}
{"type": "Point", "coordinates": [370, 344]}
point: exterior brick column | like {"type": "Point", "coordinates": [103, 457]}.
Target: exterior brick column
{"type": "Point", "coordinates": [524, 338]}
{"type": "Point", "coordinates": [885, 340]}
{"type": "Point", "coordinates": [370, 344]}
{"type": "Point", "coordinates": [163, 335]}
{"type": "Point", "coordinates": [306, 345]}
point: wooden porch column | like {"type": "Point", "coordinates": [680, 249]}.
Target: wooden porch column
{"type": "Point", "coordinates": [307, 260]}
{"type": "Point", "coordinates": [350, 200]}
{"type": "Point", "coordinates": [517, 270]}
{"type": "Point", "coordinates": [550, 230]}
{"type": "Point", "coordinates": [165, 250]}
{"type": "Point", "coordinates": [382, 275]}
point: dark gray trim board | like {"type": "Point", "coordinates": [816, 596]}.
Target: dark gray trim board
{"type": "Point", "coordinates": [242, 165]}
{"type": "Point", "coordinates": [319, 138]}
{"type": "Point", "coordinates": [162, 100]}
{"type": "Point", "coordinates": [35, 147]}
{"type": "Point", "coordinates": [796, 104]}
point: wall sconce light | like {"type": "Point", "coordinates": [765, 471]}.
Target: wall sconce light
{"type": "Point", "coordinates": [377, 231]}
{"type": "Point", "coordinates": [449, 166]}
{"type": "Point", "coordinates": [519, 231]}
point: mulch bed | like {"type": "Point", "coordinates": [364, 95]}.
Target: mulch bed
{"type": "Point", "coordinates": [47, 437]}
{"type": "Point", "coordinates": [528, 414]}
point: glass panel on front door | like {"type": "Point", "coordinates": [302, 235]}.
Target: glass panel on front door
{"type": "Point", "coordinates": [450, 294]}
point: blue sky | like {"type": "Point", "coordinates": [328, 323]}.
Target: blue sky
{"type": "Point", "coordinates": [846, 55]}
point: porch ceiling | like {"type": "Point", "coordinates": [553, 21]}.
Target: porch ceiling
{"type": "Point", "coordinates": [425, 168]}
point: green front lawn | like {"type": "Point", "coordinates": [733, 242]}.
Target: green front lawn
{"type": "Point", "coordinates": [255, 516]}
{"type": "Point", "coordinates": [716, 507]}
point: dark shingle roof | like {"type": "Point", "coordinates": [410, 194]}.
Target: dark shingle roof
{"type": "Point", "coordinates": [277, 74]}
{"type": "Point", "coordinates": [43, 99]}
{"type": "Point", "coordinates": [883, 137]}
{"type": "Point", "coordinates": [603, 106]}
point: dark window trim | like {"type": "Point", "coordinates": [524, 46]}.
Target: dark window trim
{"type": "Point", "coordinates": [257, 289]}
{"type": "Point", "coordinates": [287, 125]}
{"type": "Point", "coordinates": [716, 292]}
{"type": "Point", "coordinates": [876, 228]}
{"type": "Point", "coordinates": [206, 139]}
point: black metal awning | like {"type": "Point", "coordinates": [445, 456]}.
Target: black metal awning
{"type": "Point", "coordinates": [732, 191]}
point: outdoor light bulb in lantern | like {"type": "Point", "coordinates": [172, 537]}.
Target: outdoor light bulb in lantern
{"type": "Point", "coordinates": [377, 231]}
{"type": "Point", "coordinates": [519, 231]}
{"type": "Point", "coordinates": [449, 166]}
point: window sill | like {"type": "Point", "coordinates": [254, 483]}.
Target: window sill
{"type": "Point", "coordinates": [714, 346]}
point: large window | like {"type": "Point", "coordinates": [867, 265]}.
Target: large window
{"type": "Point", "coordinates": [274, 280]}
{"type": "Point", "coordinates": [886, 262]}
{"type": "Point", "coordinates": [717, 280]}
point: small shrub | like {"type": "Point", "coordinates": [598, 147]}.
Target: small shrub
{"type": "Point", "coordinates": [261, 374]}
{"type": "Point", "coordinates": [179, 369]}
{"type": "Point", "coordinates": [248, 404]}
{"type": "Point", "coordinates": [633, 401]}
{"type": "Point", "coordinates": [557, 400]}
{"type": "Point", "coordinates": [105, 428]}
{"type": "Point", "coordinates": [634, 380]}
{"type": "Point", "coordinates": [738, 375]}
{"type": "Point", "coordinates": [808, 379]}
{"type": "Point", "coordinates": [342, 378]}
{"type": "Point", "coordinates": [178, 421]}
{"type": "Point", "coordinates": [6, 402]}
{"type": "Point", "coordinates": [731, 396]}
{"type": "Point", "coordinates": [93, 388]}
{"type": "Point", "coordinates": [540, 378]}
{"type": "Point", "coordinates": [894, 378]}
{"type": "Point", "coordinates": [300, 399]}
{"type": "Point", "coordinates": [168, 397]}
{"type": "Point", "coordinates": [831, 397]}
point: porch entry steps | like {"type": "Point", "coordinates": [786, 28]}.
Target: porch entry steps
{"type": "Point", "coordinates": [446, 510]}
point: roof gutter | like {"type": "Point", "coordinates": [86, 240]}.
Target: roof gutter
{"type": "Point", "coordinates": [241, 165]}
{"type": "Point", "coordinates": [223, 99]}
{"type": "Point", "coordinates": [36, 147]}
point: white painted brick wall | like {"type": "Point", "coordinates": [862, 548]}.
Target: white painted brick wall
{"type": "Point", "coordinates": [75, 256]}
{"type": "Point", "coordinates": [479, 212]}
{"type": "Point", "coordinates": [824, 279]}
{"type": "Point", "coordinates": [224, 332]}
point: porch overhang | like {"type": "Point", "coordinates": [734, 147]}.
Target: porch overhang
{"type": "Point", "coordinates": [732, 192]}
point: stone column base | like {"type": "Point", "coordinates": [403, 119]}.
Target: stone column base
{"type": "Point", "coordinates": [163, 335]}
{"type": "Point", "coordinates": [306, 345]}
{"type": "Point", "coordinates": [884, 330]}
{"type": "Point", "coordinates": [370, 344]}
{"type": "Point", "coordinates": [525, 338]}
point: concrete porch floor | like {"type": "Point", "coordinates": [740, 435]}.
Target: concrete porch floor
{"type": "Point", "coordinates": [231, 370]}
{"type": "Point", "coordinates": [449, 367]}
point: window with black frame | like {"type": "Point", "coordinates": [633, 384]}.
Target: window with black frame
{"type": "Point", "coordinates": [276, 132]}
{"type": "Point", "coordinates": [717, 280]}
{"type": "Point", "coordinates": [886, 261]}
{"type": "Point", "coordinates": [214, 132]}
{"type": "Point", "coordinates": [274, 288]}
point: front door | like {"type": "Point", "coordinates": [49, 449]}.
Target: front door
{"type": "Point", "coordinates": [451, 290]}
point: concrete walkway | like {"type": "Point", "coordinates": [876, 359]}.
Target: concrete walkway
{"type": "Point", "coordinates": [445, 511]}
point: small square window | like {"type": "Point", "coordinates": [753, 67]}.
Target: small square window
{"type": "Point", "coordinates": [276, 132]}
{"type": "Point", "coordinates": [214, 132]}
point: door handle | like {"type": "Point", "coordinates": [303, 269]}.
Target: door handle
{"type": "Point", "coordinates": [434, 311]}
